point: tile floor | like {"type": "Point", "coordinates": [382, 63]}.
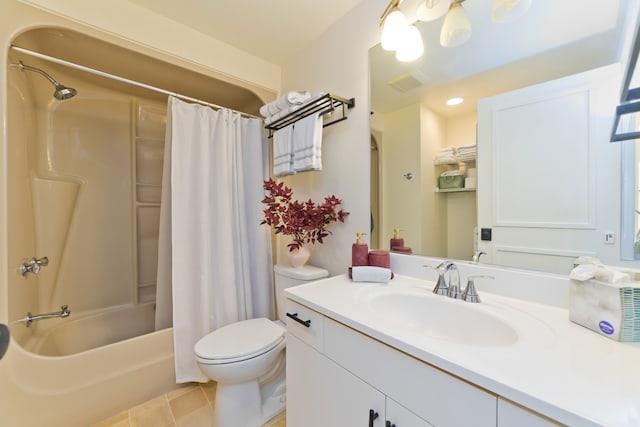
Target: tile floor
{"type": "Point", "coordinates": [189, 406]}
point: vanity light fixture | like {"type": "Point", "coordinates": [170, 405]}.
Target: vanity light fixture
{"type": "Point", "coordinates": [508, 10]}
{"type": "Point", "coordinates": [399, 36]}
{"type": "Point", "coordinates": [454, 101]}
{"type": "Point", "coordinates": [456, 29]}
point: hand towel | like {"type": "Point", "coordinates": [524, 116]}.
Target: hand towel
{"type": "Point", "coordinates": [284, 102]}
{"type": "Point", "coordinates": [370, 274]}
{"type": "Point", "coordinates": [283, 151]}
{"type": "Point", "coordinates": [307, 143]}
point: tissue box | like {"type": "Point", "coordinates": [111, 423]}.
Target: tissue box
{"type": "Point", "coordinates": [451, 181]}
{"type": "Point", "coordinates": [610, 309]}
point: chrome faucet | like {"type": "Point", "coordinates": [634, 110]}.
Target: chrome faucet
{"type": "Point", "coordinates": [476, 256]}
{"type": "Point", "coordinates": [470, 293]}
{"type": "Point", "coordinates": [452, 289]}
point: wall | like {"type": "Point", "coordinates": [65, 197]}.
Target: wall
{"type": "Point", "coordinates": [338, 62]}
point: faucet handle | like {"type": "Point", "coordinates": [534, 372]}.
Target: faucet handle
{"type": "Point", "coordinates": [470, 293]}
{"type": "Point", "coordinates": [441, 287]}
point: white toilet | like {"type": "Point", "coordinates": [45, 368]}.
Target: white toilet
{"type": "Point", "coordinates": [247, 359]}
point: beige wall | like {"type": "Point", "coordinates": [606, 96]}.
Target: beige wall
{"type": "Point", "coordinates": [338, 62]}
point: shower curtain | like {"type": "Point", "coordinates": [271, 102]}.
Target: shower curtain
{"type": "Point", "coordinates": [215, 264]}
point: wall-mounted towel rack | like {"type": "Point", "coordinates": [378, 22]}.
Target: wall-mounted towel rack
{"type": "Point", "coordinates": [323, 105]}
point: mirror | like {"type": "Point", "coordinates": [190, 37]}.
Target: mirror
{"type": "Point", "coordinates": [411, 123]}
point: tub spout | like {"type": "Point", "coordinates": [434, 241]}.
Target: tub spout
{"type": "Point", "coordinates": [30, 318]}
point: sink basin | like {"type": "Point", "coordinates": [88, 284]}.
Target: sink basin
{"type": "Point", "coordinates": [443, 318]}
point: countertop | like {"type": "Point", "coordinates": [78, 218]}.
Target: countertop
{"type": "Point", "coordinates": [555, 367]}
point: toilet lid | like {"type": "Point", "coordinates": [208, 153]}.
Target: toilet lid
{"type": "Point", "coordinates": [241, 339]}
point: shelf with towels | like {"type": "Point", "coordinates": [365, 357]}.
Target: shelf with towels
{"type": "Point", "coordinates": [324, 104]}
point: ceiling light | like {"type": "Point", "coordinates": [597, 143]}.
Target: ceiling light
{"type": "Point", "coordinates": [430, 10]}
{"type": "Point", "coordinates": [395, 26]}
{"type": "Point", "coordinates": [411, 47]}
{"type": "Point", "coordinates": [456, 28]}
{"type": "Point", "coordinates": [454, 101]}
{"type": "Point", "coordinates": [508, 10]}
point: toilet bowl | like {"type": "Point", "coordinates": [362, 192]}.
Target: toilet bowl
{"type": "Point", "coordinates": [247, 359]}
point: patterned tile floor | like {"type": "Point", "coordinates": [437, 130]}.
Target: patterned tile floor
{"type": "Point", "coordinates": [190, 406]}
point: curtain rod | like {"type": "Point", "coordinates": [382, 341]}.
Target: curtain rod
{"type": "Point", "coordinates": [124, 80]}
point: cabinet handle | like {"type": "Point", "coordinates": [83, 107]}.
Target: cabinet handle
{"type": "Point", "coordinates": [372, 416]}
{"type": "Point", "coordinates": [388, 424]}
{"type": "Point", "coordinates": [295, 317]}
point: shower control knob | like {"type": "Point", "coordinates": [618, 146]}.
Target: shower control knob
{"type": "Point", "coordinates": [33, 265]}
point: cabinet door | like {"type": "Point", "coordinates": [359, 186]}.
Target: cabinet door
{"type": "Point", "coordinates": [321, 393]}
{"type": "Point", "coordinates": [400, 416]}
{"type": "Point", "coordinates": [512, 415]}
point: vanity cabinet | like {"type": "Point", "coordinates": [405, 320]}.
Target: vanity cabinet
{"type": "Point", "coordinates": [512, 415]}
{"type": "Point", "coordinates": [338, 379]}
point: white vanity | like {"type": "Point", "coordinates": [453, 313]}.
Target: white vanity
{"type": "Point", "coordinates": [367, 354]}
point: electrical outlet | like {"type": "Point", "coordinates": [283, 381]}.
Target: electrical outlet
{"type": "Point", "coordinates": [609, 238]}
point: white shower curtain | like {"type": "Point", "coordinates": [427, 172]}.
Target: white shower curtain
{"type": "Point", "coordinates": [215, 264]}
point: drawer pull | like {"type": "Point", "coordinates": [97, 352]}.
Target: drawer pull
{"type": "Point", "coordinates": [388, 424]}
{"type": "Point", "coordinates": [295, 317]}
{"type": "Point", "coordinates": [372, 416]}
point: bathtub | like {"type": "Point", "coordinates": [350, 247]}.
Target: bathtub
{"type": "Point", "coordinates": [83, 387]}
{"type": "Point", "coordinates": [82, 332]}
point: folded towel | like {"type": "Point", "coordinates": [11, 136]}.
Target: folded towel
{"type": "Point", "coordinates": [280, 114]}
{"type": "Point", "coordinates": [283, 151]}
{"type": "Point", "coordinates": [371, 274]}
{"type": "Point", "coordinates": [307, 143]}
{"type": "Point", "coordinates": [284, 102]}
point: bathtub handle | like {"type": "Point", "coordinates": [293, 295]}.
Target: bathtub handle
{"type": "Point", "coordinates": [30, 318]}
{"type": "Point", "coordinates": [33, 265]}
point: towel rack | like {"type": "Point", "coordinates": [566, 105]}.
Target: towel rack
{"type": "Point", "coordinates": [323, 105]}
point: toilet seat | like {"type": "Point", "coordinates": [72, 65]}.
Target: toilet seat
{"type": "Point", "coordinates": [239, 341]}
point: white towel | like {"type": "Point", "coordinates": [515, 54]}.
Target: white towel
{"type": "Point", "coordinates": [284, 102]}
{"type": "Point", "coordinates": [283, 152]}
{"type": "Point", "coordinates": [280, 114]}
{"type": "Point", "coordinates": [307, 143]}
{"type": "Point", "coordinates": [370, 274]}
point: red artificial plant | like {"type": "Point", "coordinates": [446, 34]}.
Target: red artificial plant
{"type": "Point", "coordinates": [306, 221]}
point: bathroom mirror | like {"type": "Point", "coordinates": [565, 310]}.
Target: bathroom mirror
{"type": "Point", "coordinates": [408, 106]}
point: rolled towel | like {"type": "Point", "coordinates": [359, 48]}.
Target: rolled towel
{"type": "Point", "coordinates": [371, 274]}
{"type": "Point", "coordinates": [284, 102]}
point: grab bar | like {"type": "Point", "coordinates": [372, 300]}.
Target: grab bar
{"type": "Point", "coordinates": [30, 318]}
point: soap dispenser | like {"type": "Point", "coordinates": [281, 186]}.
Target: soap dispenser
{"type": "Point", "coordinates": [396, 240]}
{"type": "Point", "coordinates": [359, 252]}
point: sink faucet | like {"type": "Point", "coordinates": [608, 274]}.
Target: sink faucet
{"type": "Point", "coordinates": [477, 255]}
{"type": "Point", "coordinates": [442, 288]}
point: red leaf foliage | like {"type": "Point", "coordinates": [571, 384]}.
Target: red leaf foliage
{"type": "Point", "coordinates": [306, 222]}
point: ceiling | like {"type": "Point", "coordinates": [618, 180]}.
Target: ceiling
{"type": "Point", "coordinates": [270, 29]}
{"type": "Point", "coordinates": [553, 39]}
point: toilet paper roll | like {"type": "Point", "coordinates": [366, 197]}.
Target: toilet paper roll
{"type": "Point", "coordinates": [371, 274]}
{"type": "Point", "coordinates": [470, 182]}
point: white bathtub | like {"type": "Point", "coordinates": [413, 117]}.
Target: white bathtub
{"type": "Point", "coordinates": [82, 332]}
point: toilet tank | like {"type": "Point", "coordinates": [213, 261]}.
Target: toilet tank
{"type": "Point", "coordinates": [287, 276]}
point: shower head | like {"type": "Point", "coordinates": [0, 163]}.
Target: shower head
{"type": "Point", "coordinates": [61, 92]}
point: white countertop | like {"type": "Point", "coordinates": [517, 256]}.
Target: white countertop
{"type": "Point", "coordinates": [557, 368]}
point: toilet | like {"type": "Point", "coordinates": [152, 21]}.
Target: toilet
{"type": "Point", "coordinates": [247, 359]}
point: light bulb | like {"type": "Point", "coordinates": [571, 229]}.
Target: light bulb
{"type": "Point", "coordinates": [456, 28]}
{"type": "Point", "coordinates": [392, 32]}
{"type": "Point", "coordinates": [430, 10]}
{"type": "Point", "coordinates": [411, 47]}
{"type": "Point", "coordinates": [508, 10]}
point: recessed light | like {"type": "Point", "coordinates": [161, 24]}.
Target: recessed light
{"type": "Point", "coordinates": [455, 101]}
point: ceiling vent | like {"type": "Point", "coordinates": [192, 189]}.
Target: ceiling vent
{"type": "Point", "coordinates": [408, 81]}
